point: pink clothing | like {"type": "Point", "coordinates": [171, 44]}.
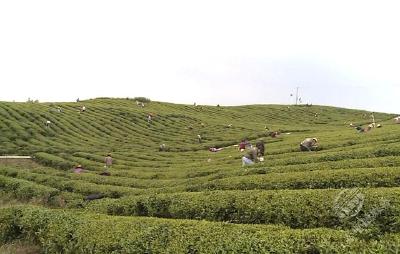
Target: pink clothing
{"type": "Point", "coordinates": [78, 170]}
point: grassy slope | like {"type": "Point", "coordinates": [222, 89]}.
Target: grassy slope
{"type": "Point", "coordinates": [163, 180]}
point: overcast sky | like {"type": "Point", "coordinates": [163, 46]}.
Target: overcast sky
{"type": "Point", "coordinates": [341, 53]}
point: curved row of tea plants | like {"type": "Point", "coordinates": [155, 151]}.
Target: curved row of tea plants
{"type": "Point", "coordinates": [76, 232]}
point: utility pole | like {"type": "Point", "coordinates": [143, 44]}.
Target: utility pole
{"type": "Point", "coordinates": [297, 94]}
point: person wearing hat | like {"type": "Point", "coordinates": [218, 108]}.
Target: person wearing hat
{"type": "Point", "coordinates": [108, 160]}
{"type": "Point", "coordinates": [162, 148]}
{"type": "Point", "coordinates": [309, 144]}
{"type": "Point", "coordinates": [260, 148]}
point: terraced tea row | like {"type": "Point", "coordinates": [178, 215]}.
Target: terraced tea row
{"type": "Point", "coordinates": [293, 208]}
{"type": "Point", "coordinates": [77, 232]}
{"type": "Point", "coordinates": [298, 208]}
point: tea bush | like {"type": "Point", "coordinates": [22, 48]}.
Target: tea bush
{"type": "Point", "coordinates": [294, 208]}
{"type": "Point", "coordinates": [77, 232]}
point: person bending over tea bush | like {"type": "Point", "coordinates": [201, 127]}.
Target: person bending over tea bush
{"type": "Point", "coordinates": [309, 144]}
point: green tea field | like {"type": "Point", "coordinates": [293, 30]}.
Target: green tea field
{"type": "Point", "coordinates": [342, 198]}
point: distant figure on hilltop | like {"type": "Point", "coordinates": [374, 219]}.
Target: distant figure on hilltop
{"type": "Point", "coordinates": [77, 100]}
{"type": "Point", "coordinates": [162, 148]}
{"type": "Point", "coordinates": [373, 120]}
{"type": "Point", "coordinates": [108, 161]}
{"type": "Point", "coordinates": [309, 144]}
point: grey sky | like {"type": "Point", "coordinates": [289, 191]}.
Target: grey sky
{"type": "Point", "coordinates": [342, 53]}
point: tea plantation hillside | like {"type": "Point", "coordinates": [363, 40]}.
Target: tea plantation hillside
{"type": "Point", "coordinates": [342, 198]}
